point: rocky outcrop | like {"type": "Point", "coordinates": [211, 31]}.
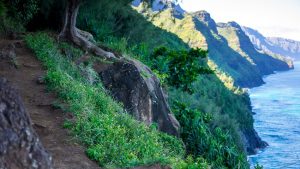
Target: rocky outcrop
{"type": "Point", "coordinates": [204, 17]}
{"type": "Point", "coordinates": [134, 85]}
{"type": "Point", "coordinates": [161, 5]}
{"type": "Point", "coordinates": [252, 142]}
{"type": "Point", "coordinates": [20, 147]}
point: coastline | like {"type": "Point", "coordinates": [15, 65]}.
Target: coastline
{"type": "Point", "coordinates": [261, 150]}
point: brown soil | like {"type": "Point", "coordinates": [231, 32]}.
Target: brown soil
{"type": "Point", "coordinates": [47, 121]}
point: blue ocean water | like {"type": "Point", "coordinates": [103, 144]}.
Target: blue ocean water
{"type": "Point", "coordinates": [277, 120]}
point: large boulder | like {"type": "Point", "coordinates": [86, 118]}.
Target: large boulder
{"type": "Point", "coordinates": [20, 147]}
{"type": "Point", "coordinates": [134, 85]}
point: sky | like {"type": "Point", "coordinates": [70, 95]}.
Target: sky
{"type": "Point", "coordinates": [275, 18]}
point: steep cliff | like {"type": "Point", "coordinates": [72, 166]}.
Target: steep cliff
{"type": "Point", "coordinates": [241, 43]}
{"type": "Point", "coordinates": [240, 69]}
{"type": "Point", "coordinates": [291, 47]}
{"type": "Point", "coordinates": [278, 47]}
{"type": "Point", "coordinates": [200, 30]}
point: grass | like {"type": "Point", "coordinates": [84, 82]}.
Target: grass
{"type": "Point", "coordinates": [230, 108]}
{"type": "Point", "coordinates": [112, 138]}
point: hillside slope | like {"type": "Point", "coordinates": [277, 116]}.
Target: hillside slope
{"type": "Point", "coordinates": [198, 29]}
{"type": "Point", "coordinates": [241, 43]}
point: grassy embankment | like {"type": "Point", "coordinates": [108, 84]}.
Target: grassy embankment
{"type": "Point", "coordinates": [112, 137]}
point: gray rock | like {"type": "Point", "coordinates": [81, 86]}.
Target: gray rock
{"type": "Point", "coordinates": [20, 147]}
{"type": "Point", "coordinates": [8, 52]}
{"type": "Point", "coordinates": [205, 17]}
{"type": "Point", "coordinates": [252, 142]}
{"type": "Point", "coordinates": [133, 84]}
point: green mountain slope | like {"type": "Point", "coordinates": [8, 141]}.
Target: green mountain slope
{"type": "Point", "coordinates": [241, 43]}
{"type": "Point", "coordinates": [200, 30]}
{"type": "Point", "coordinates": [229, 61]}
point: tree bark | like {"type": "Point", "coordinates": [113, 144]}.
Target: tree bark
{"type": "Point", "coordinates": [78, 37]}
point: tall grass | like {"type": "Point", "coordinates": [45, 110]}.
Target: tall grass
{"type": "Point", "coordinates": [112, 138]}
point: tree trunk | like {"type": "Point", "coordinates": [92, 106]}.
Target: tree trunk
{"type": "Point", "coordinates": [78, 37]}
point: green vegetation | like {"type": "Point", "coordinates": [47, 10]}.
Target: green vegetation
{"type": "Point", "coordinates": [229, 110]}
{"type": "Point", "coordinates": [15, 14]}
{"type": "Point", "coordinates": [231, 35]}
{"type": "Point", "coordinates": [22, 11]}
{"type": "Point", "coordinates": [179, 68]}
{"type": "Point", "coordinates": [213, 135]}
{"type": "Point", "coordinates": [213, 144]}
{"type": "Point", "coordinates": [2, 10]}
{"type": "Point", "coordinates": [8, 24]}
{"type": "Point", "coordinates": [241, 43]}
{"type": "Point", "coordinates": [257, 166]}
{"type": "Point", "coordinates": [198, 34]}
{"type": "Point", "coordinates": [116, 25]}
{"type": "Point", "coordinates": [213, 114]}
{"type": "Point", "coordinates": [112, 138]}
{"type": "Point", "coordinates": [167, 21]}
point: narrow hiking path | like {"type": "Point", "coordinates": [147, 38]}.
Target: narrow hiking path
{"type": "Point", "coordinates": [47, 121]}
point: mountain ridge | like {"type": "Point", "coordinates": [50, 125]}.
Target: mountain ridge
{"type": "Point", "coordinates": [276, 46]}
{"type": "Point", "coordinates": [241, 43]}
{"type": "Point", "coordinates": [198, 29]}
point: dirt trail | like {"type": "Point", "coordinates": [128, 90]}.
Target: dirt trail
{"type": "Point", "coordinates": [46, 120]}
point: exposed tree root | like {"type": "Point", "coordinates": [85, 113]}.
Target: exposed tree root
{"type": "Point", "coordinates": [78, 37]}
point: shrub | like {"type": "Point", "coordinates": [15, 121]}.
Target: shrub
{"type": "Point", "coordinates": [179, 68]}
{"type": "Point", "coordinates": [7, 23]}
{"type": "Point", "coordinates": [22, 10]}
{"type": "Point", "coordinates": [213, 144]}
